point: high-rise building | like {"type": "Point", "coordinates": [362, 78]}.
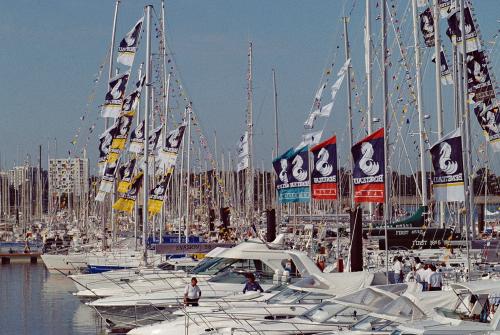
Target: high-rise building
{"type": "Point", "coordinates": [68, 179]}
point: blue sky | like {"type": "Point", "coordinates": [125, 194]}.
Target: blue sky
{"type": "Point", "coordinates": [51, 51]}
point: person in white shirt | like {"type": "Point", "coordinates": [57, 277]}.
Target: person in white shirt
{"type": "Point", "coordinates": [435, 280]}
{"type": "Point", "coordinates": [192, 293]}
{"type": "Point", "coordinates": [426, 276]}
{"type": "Point", "coordinates": [419, 275]}
{"type": "Point", "coordinates": [398, 270]}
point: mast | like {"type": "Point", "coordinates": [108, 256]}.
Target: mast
{"type": "Point", "coordinates": [439, 103]}
{"type": "Point", "coordinates": [368, 65]}
{"type": "Point", "coordinates": [277, 143]}
{"type": "Point", "coordinates": [349, 107]}
{"type": "Point", "coordinates": [39, 183]}
{"type": "Point", "coordinates": [385, 103]}
{"type": "Point", "coordinates": [147, 107]}
{"type": "Point", "coordinates": [188, 148]}
{"type": "Point", "coordinates": [136, 204]}
{"type": "Point", "coordinates": [249, 170]}
{"type": "Point", "coordinates": [469, 199]}
{"type": "Point", "coordinates": [421, 127]}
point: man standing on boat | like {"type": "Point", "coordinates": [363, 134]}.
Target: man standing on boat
{"type": "Point", "coordinates": [435, 279]}
{"type": "Point", "coordinates": [192, 293]}
{"type": "Point", "coordinates": [251, 284]}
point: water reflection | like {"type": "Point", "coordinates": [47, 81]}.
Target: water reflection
{"type": "Point", "coordinates": [32, 301]}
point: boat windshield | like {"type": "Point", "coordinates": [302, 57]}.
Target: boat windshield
{"type": "Point", "coordinates": [372, 323]}
{"type": "Point", "coordinates": [289, 296]}
{"type": "Point", "coordinates": [333, 312]}
{"type": "Point", "coordinates": [209, 266]}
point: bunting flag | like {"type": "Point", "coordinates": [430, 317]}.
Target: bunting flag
{"type": "Point", "coordinates": [448, 179]}
{"type": "Point", "coordinates": [488, 116]}
{"type": "Point", "coordinates": [137, 139]}
{"type": "Point", "coordinates": [126, 172]}
{"type": "Point", "coordinates": [168, 153]}
{"type": "Point", "coordinates": [324, 173]}
{"type": "Point", "coordinates": [157, 194]}
{"type": "Point", "coordinates": [114, 98]}
{"type": "Point", "coordinates": [454, 31]}
{"type": "Point", "coordinates": [326, 110]}
{"type": "Point", "coordinates": [126, 201]}
{"type": "Point", "coordinates": [369, 168]}
{"type": "Point", "coordinates": [310, 139]}
{"type": "Point", "coordinates": [479, 84]}
{"type": "Point", "coordinates": [107, 180]}
{"type": "Point", "coordinates": [128, 45]}
{"type": "Point", "coordinates": [446, 77]}
{"type": "Point", "coordinates": [427, 27]}
{"type": "Point", "coordinates": [292, 183]}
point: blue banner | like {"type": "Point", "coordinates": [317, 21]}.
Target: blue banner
{"type": "Point", "coordinates": [292, 170]}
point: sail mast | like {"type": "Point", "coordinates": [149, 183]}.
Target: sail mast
{"type": "Point", "coordinates": [349, 106]}
{"type": "Point", "coordinates": [439, 103]}
{"type": "Point", "coordinates": [277, 143]}
{"type": "Point", "coordinates": [368, 68]}
{"type": "Point", "coordinates": [147, 108]}
{"type": "Point", "coordinates": [421, 128]}
{"type": "Point", "coordinates": [385, 103]}
{"type": "Point", "coordinates": [249, 170]}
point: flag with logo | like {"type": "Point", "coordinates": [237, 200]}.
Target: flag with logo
{"type": "Point", "coordinates": [368, 175]}
{"type": "Point", "coordinates": [292, 170]}
{"type": "Point", "coordinates": [446, 78]}
{"type": "Point", "coordinates": [114, 97]}
{"type": "Point", "coordinates": [157, 194]}
{"type": "Point", "coordinates": [124, 123]}
{"type": "Point", "coordinates": [427, 27]}
{"type": "Point", "coordinates": [126, 201]}
{"type": "Point", "coordinates": [454, 30]}
{"type": "Point", "coordinates": [479, 84]}
{"type": "Point", "coordinates": [168, 153]}
{"type": "Point", "coordinates": [107, 180]}
{"type": "Point", "coordinates": [448, 179]}
{"type": "Point", "coordinates": [137, 139]}
{"type": "Point", "coordinates": [488, 116]}
{"type": "Point", "coordinates": [126, 173]}
{"type": "Point", "coordinates": [324, 172]}
{"type": "Point", "coordinates": [128, 45]}
{"type": "Point", "coordinates": [131, 101]}
{"type": "Point", "coordinates": [105, 141]}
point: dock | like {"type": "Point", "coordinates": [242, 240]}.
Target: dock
{"type": "Point", "coordinates": [28, 257]}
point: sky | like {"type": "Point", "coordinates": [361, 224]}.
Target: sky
{"type": "Point", "coordinates": [52, 49]}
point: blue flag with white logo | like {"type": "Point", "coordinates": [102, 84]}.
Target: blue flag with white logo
{"type": "Point", "coordinates": [292, 171]}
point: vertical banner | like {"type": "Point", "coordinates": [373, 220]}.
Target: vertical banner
{"type": "Point", "coordinates": [124, 123]}
{"type": "Point", "coordinates": [105, 141]}
{"type": "Point", "coordinates": [448, 179]}
{"type": "Point", "coordinates": [293, 176]}
{"type": "Point", "coordinates": [168, 154]}
{"type": "Point", "coordinates": [107, 180]}
{"type": "Point", "coordinates": [427, 27]}
{"type": "Point", "coordinates": [454, 30]}
{"type": "Point", "coordinates": [324, 173]}
{"type": "Point", "coordinates": [157, 195]}
{"type": "Point", "coordinates": [128, 45]}
{"type": "Point", "coordinates": [137, 139]}
{"type": "Point", "coordinates": [114, 97]}
{"type": "Point", "coordinates": [488, 116]}
{"type": "Point", "coordinates": [127, 200]}
{"type": "Point", "coordinates": [126, 172]}
{"type": "Point", "coordinates": [479, 84]}
{"type": "Point", "coordinates": [369, 168]}
{"type": "Point", "coordinates": [446, 78]}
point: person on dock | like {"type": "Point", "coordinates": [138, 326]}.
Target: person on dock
{"type": "Point", "coordinates": [252, 284]}
{"type": "Point", "coordinates": [398, 270]}
{"type": "Point", "coordinates": [435, 281]}
{"type": "Point", "coordinates": [192, 293]}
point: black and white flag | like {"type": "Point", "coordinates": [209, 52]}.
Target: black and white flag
{"type": "Point", "coordinates": [448, 179]}
{"type": "Point", "coordinates": [128, 45]}
{"type": "Point", "coordinates": [114, 97]}
{"type": "Point", "coordinates": [137, 139]}
{"type": "Point", "coordinates": [427, 27]}
{"type": "Point", "coordinates": [454, 30]}
{"type": "Point", "coordinates": [479, 84]}
{"type": "Point", "coordinates": [488, 116]}
{"type": "Point", "coordinates": [242, 147]}
{"type": "Point", "coordinates": [446, 77]}
{"type": "Point", "coordinates": [168, 153]}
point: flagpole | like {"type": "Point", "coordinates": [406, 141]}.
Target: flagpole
{"type": "Point", "coordinates": [421, 127]}
{"type": "Point", "coordinates": [385, 110]}
{"type": "Point", "coordinates": [136, 204]}
{"type": "Point", "coordinates": [349, 107]}
{"type": "Point", "coordinates": [147, 107]}
{"type": "Point", "coordinates": [188, 177]}
{"type": "Point", "coordinates": [469, 200]}
{"type": "Point", "coordinates": [277, 147]}
{"type": "Point", "coordinates": [368, 60]}
{"type": "Point", "coordinates": [249, 171]}
{"type": "Point", "coordinates": [439, 103]}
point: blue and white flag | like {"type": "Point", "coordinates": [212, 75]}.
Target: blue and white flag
{"type": "Point", "coordinates": [448, 179]}
{"type": "Point", "coordinates": [292, 170]}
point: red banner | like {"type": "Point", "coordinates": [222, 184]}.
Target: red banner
{"type": "Point", "coordinates": [324, 173]}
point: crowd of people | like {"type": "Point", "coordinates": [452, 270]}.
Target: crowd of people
{"type": "Point", "coordinates": [427, 275]}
